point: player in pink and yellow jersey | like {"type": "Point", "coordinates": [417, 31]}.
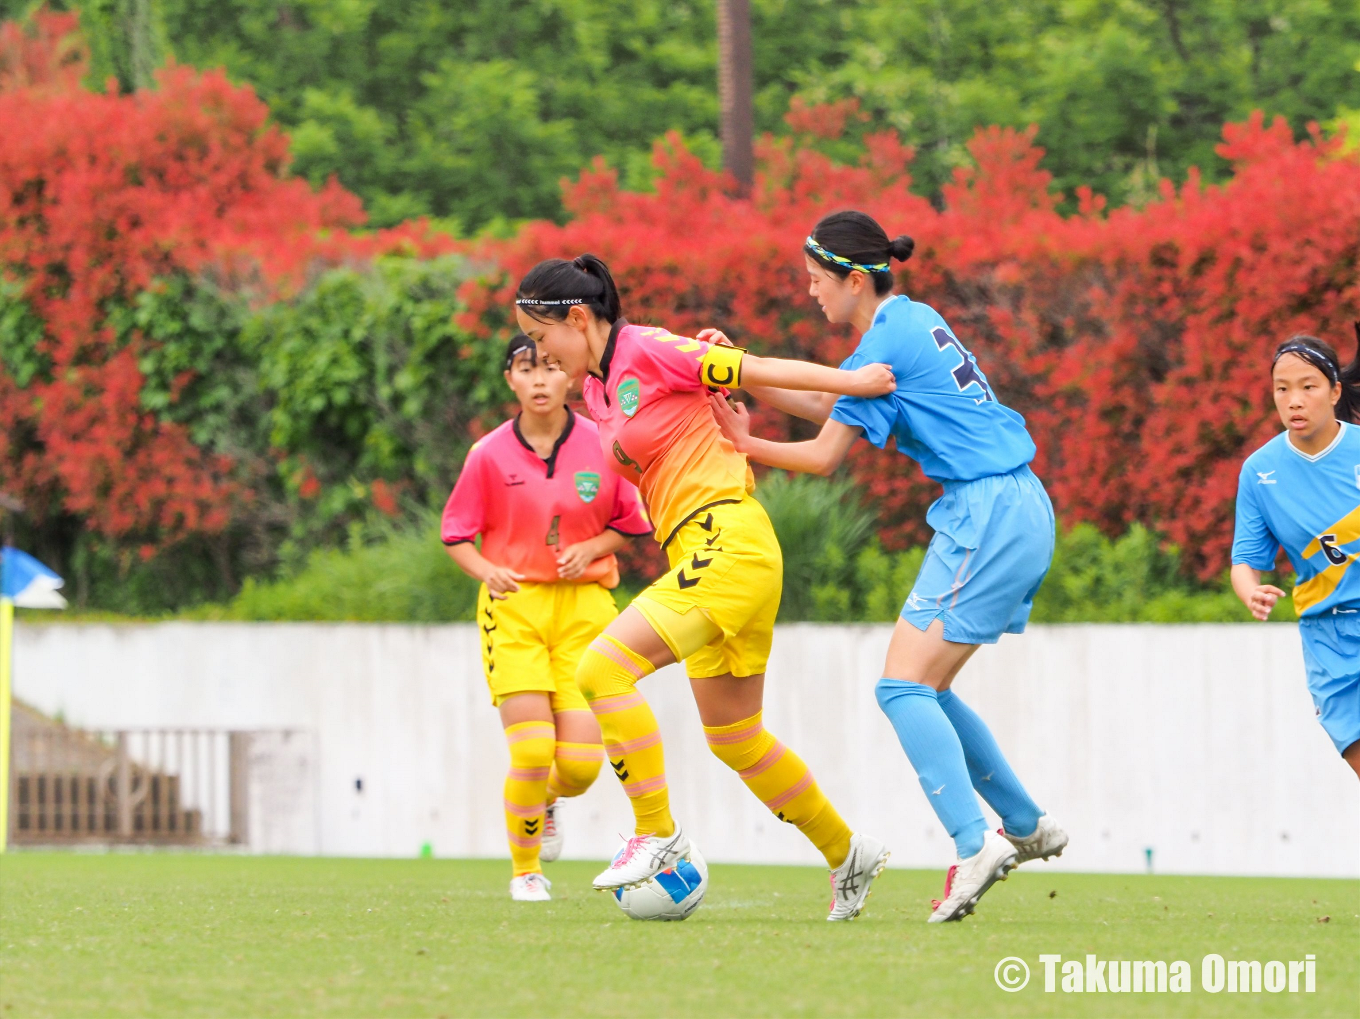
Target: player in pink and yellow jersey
{"type": "Point", "coordinates": [550, 516]}
{"type": "Point", "coordinates": [648, 391]}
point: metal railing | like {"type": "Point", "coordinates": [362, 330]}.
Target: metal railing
{"type": "Point", "coordinates": [163, 786]}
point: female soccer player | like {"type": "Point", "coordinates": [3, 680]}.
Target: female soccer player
{"type": "Point", "coordinates": [715, 609]}
{"type": "Point", "coordinates": [1301, 492]}
{"type": "Point", "coordinates": [551, 517]}
{"type": "Point", "coordinates": [993, 540]}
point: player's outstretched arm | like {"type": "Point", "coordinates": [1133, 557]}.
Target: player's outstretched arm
{"type": "Point", "coordinates": [499, 580]}
{"type": "Point", "coordinates": [776, 372]}
{"type": "Point", "coordinates": [1257, 597]}
{"type": "Point", "coordinates": [821, 455]}
{"type": "Point", "coordinates": [814, 407]}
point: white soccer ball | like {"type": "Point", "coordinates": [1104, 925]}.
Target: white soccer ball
{"type": "Point", "coordinates": [673, 894]}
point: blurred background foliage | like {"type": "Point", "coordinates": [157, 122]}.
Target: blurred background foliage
{"type": "Point", "coordinates": [472, 112]}
{"type": "Point", "coordinates": [345, 405]}
{"type": "Point", "coordinates": [835, 571]}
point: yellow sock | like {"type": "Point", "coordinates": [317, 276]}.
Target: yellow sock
{"type": "Point", "coordinates": [531, 757]}
{"type": "Point", "coordinates": [574, 768]}
{"type": "Point", "coordinates": [783, 783]}
{"type": "Point", "coordinates": [608, 675]}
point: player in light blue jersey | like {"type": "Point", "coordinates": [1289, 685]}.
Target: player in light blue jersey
{"type": "Point", "coordinates": [1301, 492]}
{"type": "Point", "coordinates": [994, 535]}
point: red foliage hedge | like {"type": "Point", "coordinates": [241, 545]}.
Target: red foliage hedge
{"type": "Point", "coordinates": [1135, 342]}
{"type": "Point", "coordinates": [100, 194]}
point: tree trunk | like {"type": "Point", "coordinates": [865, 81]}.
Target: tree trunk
{"type": "Point", "coordinates": [735, 91]}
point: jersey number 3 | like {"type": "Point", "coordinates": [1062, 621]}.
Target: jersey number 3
{"type": "Point", "coordinates": [968, 373]}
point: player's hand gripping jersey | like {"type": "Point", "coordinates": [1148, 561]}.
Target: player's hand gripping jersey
{"type": "Point", "coordinates": [527, 509]}
{"type": "Point", "coordinates": [1310, 507]}
{"type": "Point", "coordinates": [651, 403]}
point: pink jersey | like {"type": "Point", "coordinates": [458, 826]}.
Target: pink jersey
{"type": "Point", "coordinates": [651, 403]}
{"type": "Point", "coordinates": [526, 508]}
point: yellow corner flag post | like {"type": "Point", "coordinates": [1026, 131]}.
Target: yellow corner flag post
{"type": "Point", "coordinates": [29, 584]}
{"type": "Point", "coordinates": [6, 657]}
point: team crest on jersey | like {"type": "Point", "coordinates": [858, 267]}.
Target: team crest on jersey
{"type": "Point", "coordinates": [629, 394]}
{"type": "Point", "coordinates": [587, 485]}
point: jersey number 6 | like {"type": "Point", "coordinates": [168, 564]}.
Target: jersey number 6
{"type": "Point", "coordinates": [1334, 555]}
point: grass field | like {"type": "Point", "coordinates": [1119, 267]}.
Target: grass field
{"type": "Point", "coordinates": [167, 934]}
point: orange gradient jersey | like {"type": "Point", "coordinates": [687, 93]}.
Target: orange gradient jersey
{"type": "Point", "coordinates": [528, 509]}
{"type": "Point", "coordinates": [656, 428]}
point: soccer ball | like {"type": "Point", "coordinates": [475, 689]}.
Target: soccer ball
{"type": "Point", "coordinates": [673, 894]}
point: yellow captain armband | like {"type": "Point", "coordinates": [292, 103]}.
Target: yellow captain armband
{"type": "Point", "coordinates": [720, 368]}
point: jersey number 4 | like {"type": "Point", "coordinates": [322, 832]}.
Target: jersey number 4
{"type": "Point", "coordinates": [968, 373]}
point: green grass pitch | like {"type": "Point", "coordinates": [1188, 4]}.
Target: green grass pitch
{"type": "Point", "coordinates": [168, 934]}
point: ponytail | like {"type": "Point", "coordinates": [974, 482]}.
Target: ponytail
{"type": "Point", "coordinates": [1348, 407]}
{"type": "Point", "coordinates": [1322, 356]}
{"type": "Point", "coordinates": [554, 285]}
{"type": "Point", "coordinates": [850, 241]}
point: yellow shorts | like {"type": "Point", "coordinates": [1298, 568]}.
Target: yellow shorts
{"type": "Point", "coordinates": [533, 638]}
{"type": "Point", "coordinates": [725, 565]}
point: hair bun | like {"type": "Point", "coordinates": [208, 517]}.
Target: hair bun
{"type": "Point", "coordinates": [901, 247]}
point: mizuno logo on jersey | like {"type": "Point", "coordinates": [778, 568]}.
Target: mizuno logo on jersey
{"type": "Point", "coordinates": [1266, 478]}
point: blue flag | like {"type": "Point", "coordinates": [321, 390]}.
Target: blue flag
{"type": "Point", "coordinates": [28, 583]}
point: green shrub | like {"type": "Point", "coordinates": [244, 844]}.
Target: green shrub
{"type": "Point", "coordinates": [822, 525]}
{"type": "Point", "coordinates": [835, 570]}
{"type": "Point", "coordinates": [407, 577]}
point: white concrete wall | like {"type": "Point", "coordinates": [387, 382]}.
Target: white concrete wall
{"type": "Point", "coordinates": [1198, 742]}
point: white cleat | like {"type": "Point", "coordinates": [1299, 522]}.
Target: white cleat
{"type": "Point", "coordinates": [642, 858]}
{"type": "Point", "coordinates": [968, 880]}
{"type": "Point", "coordinates": [551, 846]}
{"type": "Point", "coordinates": [853, 880]}
{"type": "Point", "coordinates": [530, 888]}
{"type": "Point", "coordinates": [1046, 840]}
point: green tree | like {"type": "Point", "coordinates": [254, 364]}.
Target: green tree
{"type": "Point", "coordinates": [474, 111]}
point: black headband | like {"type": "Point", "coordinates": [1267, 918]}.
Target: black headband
{"type": "Point", "coordinates": [1316, 358]}
{"type": "Point", "coordinates": [518, 344]}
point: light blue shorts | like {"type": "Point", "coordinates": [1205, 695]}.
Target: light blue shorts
{"type": "Point", "coordinates": [992, 547]}
{"type": "Point", "coordinates": [1331, 654]}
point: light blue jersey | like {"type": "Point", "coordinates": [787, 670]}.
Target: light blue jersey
{"type": "Point", "coordinates": [1310, 507]}
{"type": "Point", "coordinates": [994, 527]}
{"type": "Point", "coordinates": [943, 414]}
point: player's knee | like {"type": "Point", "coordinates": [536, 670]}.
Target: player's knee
{"type": "Point", "coordinates": [576, 770]}
{"type": "Point", "coordinates": [607, 669]}
{"type": "Point", "coordinates": [592, 674]}
{"type": "Point", "coordinates": [887, 691]}
{"type": "Point", "coordinates": [532, 745]}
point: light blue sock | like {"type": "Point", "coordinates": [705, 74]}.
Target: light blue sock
{"type": "Point", "coordinates": [988, 768]}
{"type": "Point", "coordinates": [933, 748]}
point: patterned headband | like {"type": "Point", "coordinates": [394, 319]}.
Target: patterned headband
{"type": "Point", "coordinates": [565, 300]}
{"type": "Point", "coordinates": [518, 345]}
{"type": "Point", "coordinates": [812, 247]}
{"type": "Point", "coordinates": [1314, 357]}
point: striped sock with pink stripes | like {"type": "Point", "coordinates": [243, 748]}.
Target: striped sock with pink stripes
{"type": "Point", "coordinates": [782, 782]}
{"type": "Point", "coordinates": [531, 756]}
{"type": "Point", "coordinates": [608, 675]}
